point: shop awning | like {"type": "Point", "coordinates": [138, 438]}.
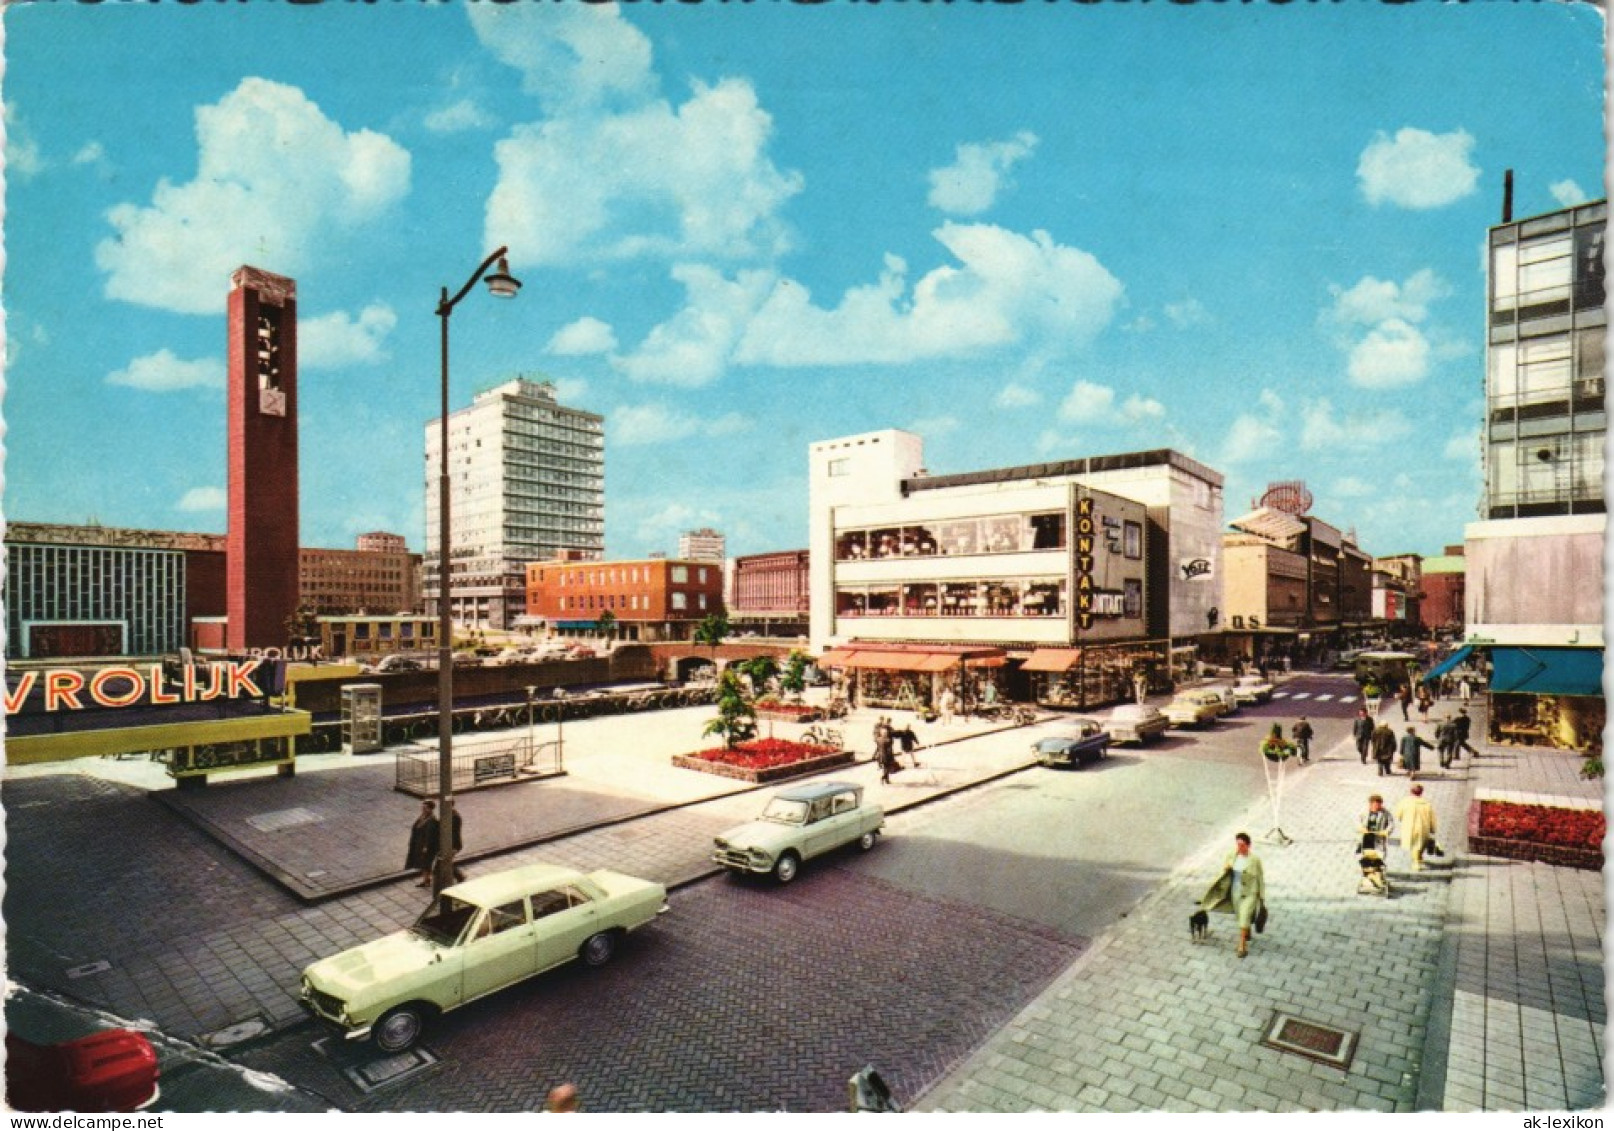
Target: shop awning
{"type": "Point", "coordinates": [1052, 660]}
{"type": "Point", "coordinates": [1547, 671]}
{"type": "Point", "coordinates": [1448, 663]}
{"type": "Point", "coordinates": [901, 657]}
{"type": "Point", "coordinates": [834, 658]}
{"type": "Point", "coordinates": [901, 661]}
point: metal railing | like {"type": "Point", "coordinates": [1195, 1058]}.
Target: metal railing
{"type": "Point", "coordinates": [476, 767]}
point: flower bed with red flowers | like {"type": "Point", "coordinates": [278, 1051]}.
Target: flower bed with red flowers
{"type": "Point", "coordinates": [1548, 833]}
{"type": "Point", "coordinates": [764, 759]}
{"type": "Point", "coordinates": [784, 712]}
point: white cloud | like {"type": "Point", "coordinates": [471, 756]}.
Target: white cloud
{"type": "Point", "coordinates": [1418, 169]}
{"type": "Point", "coordinates": [971, 183]}
{"type": "Point", "coordinates": [1257, 433]}
{"type": "Point", "coordinates": [23, 159]}
{"type": "Point", "coordinates": [1015, 395]}
{"type": "Point", "coordinates": [458, 117]}
{"type": "Point", "coordinates": [1463, 446]}
{"type": "Point", "coordinates": [582, 337]}
{"type": "Point", "coordinates": [276, 182]}
{"type": "Point", "coordinates": [934, 426]}
{"type": "Point", "coordinates": [1094, 405]}
{"type": "Point", "coordinates": [203, 499]}
{"type": "Point", "coordinates": [570, 391]}
{"type": "Point", "coordinates": [570, 55]}
{"type": "Point", "coordinates": [1394, 353]}
{"type": "Point", "coordinates": [1322, 430]}
{"type": "Point", "coordinates": [1007, 289]}
{"type": "Point", "coordinates": [694, 346]}
{"type": "Point", "coordinates": [91, 153]}
{"type": "Point", "coordinates": [1374, 300]}
{"type": "Point", "coordinates": [162, 372]}
{"type": "Point", "coordinates": [636, 425]}
{"type": "Point", "coordinates": [337, 339]}
{"type": "Point", "coordinates": [1351, 487]}
{"type": "Point", "coordinates": [1568, 193]}
{"type": "Point", "coordinates": [1189, 312]}
{"type": "Point", "coordinates": [655, 180]}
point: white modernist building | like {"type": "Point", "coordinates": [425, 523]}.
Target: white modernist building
{"type": "Point", "coordinates": [526, 483]}
{"type": "Point", "coordinates": [1089, 569]}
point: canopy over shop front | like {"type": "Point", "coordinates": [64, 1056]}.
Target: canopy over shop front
{"type": "Point", "coordinates": [910, 657]}
{"type": "Point", "coordinates": [1448, 663]}
{"type": "Point", "coordinates": [1547, 671]}
{"type": "Point", "coordinates": [1052, 660]}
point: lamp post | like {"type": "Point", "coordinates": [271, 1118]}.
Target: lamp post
{"type": "Point", "coordinates": [502, 285]}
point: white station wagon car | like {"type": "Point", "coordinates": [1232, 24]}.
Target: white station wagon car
{"type": "Point", "coordinates": [476, 937]}
{"type": "Point", "coordinates": [798, 824]}
{"type": "Point", "coordinates": [1135, 722]}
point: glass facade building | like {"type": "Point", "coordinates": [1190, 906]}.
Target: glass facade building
{"type": "Point", "coordinates": [1545, 414]}
{"type": "Point", "coordinates": [66, 600]}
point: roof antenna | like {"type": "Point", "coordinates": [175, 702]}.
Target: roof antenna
{"type": "Point", "coordinates": [1507, 197]}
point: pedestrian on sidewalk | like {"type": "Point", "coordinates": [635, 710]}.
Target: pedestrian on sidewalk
{"type": "Point", "coordinates": [1302, 733]}
{"type": "Point", "coordinates": [1465, 690]}
{"type": "Point", "coordinates": [1417, 820]}
{"type": "Point", "coordinates": [1403, 695]}
{"type": "Point", "coordinates": [1362, 731]}
{"type": "Point", "coordinates": [910, 743]}
{"type": "Point", "coordinates": [1373, 829]}
{"type": "Point", "coordinates": [883, 754]}
{"type": "Point", "coordinates": [1446, 742]}
{"type": "Point", "coordinates": [1425, 701]}
{"type": "Point", "coordinates": [1412, 747]}
{"type": "Point", "coordinates": [947, 705]}
{"type": "Point", "coordinates": [1461, 725]}
{"type": "Point", "coordinates": [1384, 749]}
{"type": "Point", "coordinates": [423, 842]}
{"type": "Point", "coordinates": [1239, 890]}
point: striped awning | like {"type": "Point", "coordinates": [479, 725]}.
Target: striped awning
{"type": "Point", "coordinates": [1052, 660]}
{"type": "Point", "coordinates": [902, 657]}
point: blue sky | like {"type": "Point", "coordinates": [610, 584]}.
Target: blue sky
{"type": "Point", "coordinates": [1252, 233]}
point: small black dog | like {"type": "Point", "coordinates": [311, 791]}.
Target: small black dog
{"type": "Point", "coordinates": [1198, 925]}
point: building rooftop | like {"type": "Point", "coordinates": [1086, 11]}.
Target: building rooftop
{"type": "Point", "coordinates": [1059, 469]}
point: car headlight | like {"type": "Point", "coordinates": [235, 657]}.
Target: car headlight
{"type": "Point", "coordinates": [760, 854]}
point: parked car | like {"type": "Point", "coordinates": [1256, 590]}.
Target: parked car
{"type": "Point", "coordinates": [1230, 703]}
{"type": "Point", "coordinates": [1195, 708]}
{"type": "Point", "coordinates": [1136, 722]}
{"type": "Point", "coordinates": [1079, 740]}
{"type": "Point", "coordinates": [112, 1070]}
{"type": "Point", "coordinates": [1252, 689]}
{"type": "Point", "coordinates": [477, 937]}
{"type": "Point", "coordinates": [397, 663]}
{"type": "Point", "coordinates": [798, 824]}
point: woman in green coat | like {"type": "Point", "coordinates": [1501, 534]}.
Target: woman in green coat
{"type": "Point", "coordinates": [1241, 889]}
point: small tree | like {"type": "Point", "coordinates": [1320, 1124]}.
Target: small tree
{"type": "Point", "coordinates": [302, 627]}
{"type": "Point", "coordinates": [760, 670]}
{"type": "Point", "coordinates": [711, 630]}
{"type": "Point", "coordinates": [793, 679]}
{"type": "Point", "coordinates": [607, 623]}
{"type": "Point", "coordinates": [736, 719]}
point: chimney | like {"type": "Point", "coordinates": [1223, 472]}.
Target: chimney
{"type": "Point", "coordinates": [1507, 197]}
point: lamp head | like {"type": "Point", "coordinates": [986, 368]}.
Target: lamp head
{"type": "Point", "coordinates": [501, 283]}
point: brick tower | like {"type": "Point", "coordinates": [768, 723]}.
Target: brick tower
{"type": "Point", "coordinates": [262, 542]}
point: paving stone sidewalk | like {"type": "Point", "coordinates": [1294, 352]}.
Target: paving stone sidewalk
{"type": "Point", "coordinates": [1475, 968]}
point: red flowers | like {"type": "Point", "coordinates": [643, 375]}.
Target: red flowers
{"type": "Point", "coordinates": [779, 707]}
{"type": "Point", "coordinates": [1542, 824]}
{"type": "Point", "coordinates": [763, 753]}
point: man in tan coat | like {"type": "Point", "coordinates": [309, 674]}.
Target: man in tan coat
{"type": "Point", "coordinates": [1417, 820]}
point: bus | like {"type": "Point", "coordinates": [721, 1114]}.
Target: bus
{"type": "Point", "coordinates": [1387, 669]}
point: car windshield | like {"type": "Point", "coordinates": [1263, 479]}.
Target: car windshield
{"type": "Point", "coordinates": [785, 811]}
{"type": "Point", "coordinates": [444, 921]}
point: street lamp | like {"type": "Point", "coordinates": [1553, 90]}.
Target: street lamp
{"type": "Point", "coordinates": [502, 285]}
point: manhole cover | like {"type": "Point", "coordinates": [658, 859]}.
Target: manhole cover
{"type": "Point", "coordinates": [1322, 1043]}
{"type": "Point", "coordinates": [234, 1034]}
{"type": "Point", "coordinates": [282, 819]}
{"type": "Point", "coordinates": [389, 1070]}
{"type": "Point", "coordinates": [89, 968]}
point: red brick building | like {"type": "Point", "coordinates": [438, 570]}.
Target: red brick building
{"type": "Point", "coordinates": [261, 564]}
{"type": "Point", "coordinates": [1444, 580]}
{"type": "Point", "coordinates": [770, 593]}
{"type": "Point", "coordinates": [650, 599]}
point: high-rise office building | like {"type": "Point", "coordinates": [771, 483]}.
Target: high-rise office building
{"type": "Point", "coordinates": [705, 544]}
{"type": "Point", "coordinates": [526, 483]}
{"type": "Point", "coordinates": [1533, 586]}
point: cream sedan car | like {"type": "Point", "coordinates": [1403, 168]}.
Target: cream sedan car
{"type": "Point", "coordinates": [798, 824]}
{"type": "Point", "coordinates": [476, 937]}
{"type": "Point", "coordinates": [1195, 708]}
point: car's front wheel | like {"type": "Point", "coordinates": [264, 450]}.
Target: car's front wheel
{"type": "Point", "coordinates": [598, 949]}
{"type": "Point", "coordinates": [786, 868]}
{"type": "Point", "coordinates": [866, 841]}
{"type": "Point", "coordinates": [399, 1028]}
